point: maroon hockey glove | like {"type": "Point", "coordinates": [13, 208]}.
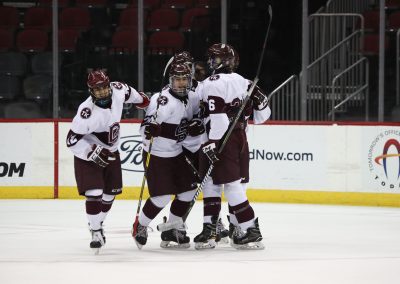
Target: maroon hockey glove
{"type": "Point", "coordinates": [101, 156]}
{"type": "Point", "coordinates": [152, 130]}
{"type": "Point", "coordinates": [260, 100]}
{"type": "Point", "coordinates": [196, 127]}
{"type": "Point", "coordinates": [211, 151]}
{"type": "Point", "coordinates": [145, 103]}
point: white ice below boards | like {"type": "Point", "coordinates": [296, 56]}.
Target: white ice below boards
{"type": "Point", "coordinates": [47, 241]}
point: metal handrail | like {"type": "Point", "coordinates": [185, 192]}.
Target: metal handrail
{"type": "Point", "coordinates": [321, 39]}
{"type": "Point", "coordinates": [345, 40]}
{"type": "Point", "coordinates": [286, 107]}
{"type": "Point", "coordinates": [342, 5]}
{"type": "Point", "coordinates": [349, 97]}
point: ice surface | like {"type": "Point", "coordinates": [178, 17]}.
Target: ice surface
{"type": "Point", "coordinates": [47, 241]}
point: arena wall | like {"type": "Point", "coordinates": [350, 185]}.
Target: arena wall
{"type": "Point", "coordinates": [290, 162]}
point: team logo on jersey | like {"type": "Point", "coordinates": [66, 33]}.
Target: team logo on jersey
{"type": "Point", "coordinates": [117, 85]}
{"type": "Point", "coordinates": [114, 133]}
{"type": "Point", "coordinates": [162, 100]}
{"type": "Point", "coordinates": [86, 113]}
{"type": "Point", "coordinates": [181, 130]}
{"type": "Point", "coordinates": [214, 77]}
{"type": "Point", "coordinates": [71, 140]}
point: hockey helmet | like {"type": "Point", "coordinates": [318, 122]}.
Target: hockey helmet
{"type": "Point", "coordinates": [99, 87]}
{"type": "Point", "coordinates": [222, 57]}
{"type": "Point", "coordinates": [180, 79]}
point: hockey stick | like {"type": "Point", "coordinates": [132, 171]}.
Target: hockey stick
{"type": "Point", "coordinates": [146, 166]}
{"type": "Point", "coordinates": [176, 224]}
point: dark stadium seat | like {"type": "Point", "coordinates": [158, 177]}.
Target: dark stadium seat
{"type": "Point", "coordinates": [67, 40]}
{"type": "Point", "coordinates": [393, 22]}
{"type": "Point", "coordinates": [9, 18]}
{"type": "Point", "coordinates": [42, 63]}
{"type": "Point", "coordinates": [38, 87]}
{"type": "Point", "coordinates": [189, 16]}
{"type": "Point", "coordinates": [22, 109]}
{"type": "Point", "coordinates": [38, 18]}
{"type": "Point", "coordinates": [129, 19]}
{"type": "Point", "coordinates": [75, 18]}
{"type": "Point", "coordinates": [13, 63]}
{"type": "Point", "coordinates": [166, 42]}
{"type": "Point", "coordinates": [177, 4]}
{"type": "Point", "coordinates": [124, 41]}
{"type": "Point", "coordinates": [10, 87]}
{"type": "Point", "coordinates": [32, 40]}
{"type": "Point", "coordinates": [6, 39]}
{"type": "Point", "coordinates": [163, 19]}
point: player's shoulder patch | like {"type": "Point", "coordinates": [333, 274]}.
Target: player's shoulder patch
{"type": "Point", "coordinates": [214, 77]}
{"type": "Point", "coordinates": [86, 113]}
{"type": "Point", "coordinates": [117, 85]}
{"type": "Point", "coordinates": [162, 100]}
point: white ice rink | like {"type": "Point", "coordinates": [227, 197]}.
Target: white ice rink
{"type": "Point", "coordinates": [47, 241]}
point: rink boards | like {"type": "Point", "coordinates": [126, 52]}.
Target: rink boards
{"type": "Point", "coordinates": [295, 163]}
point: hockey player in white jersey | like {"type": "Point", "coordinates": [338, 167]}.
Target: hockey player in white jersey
{"type": "Point", "coordinates": [224, 92]}
{"type": "Point", "coordinates": [94, 139]}
{"type": "Point", "coordinates": [169, 120]}
{"type": "Point", "coordinates": [191, 145]}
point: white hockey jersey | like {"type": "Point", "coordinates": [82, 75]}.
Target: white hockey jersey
{"type": "Point", "coordinates": [100, 126]}
{"type": "Point", "coordinates": [224, 94]}
{"type": "Point", "coordinates": [173, 114]}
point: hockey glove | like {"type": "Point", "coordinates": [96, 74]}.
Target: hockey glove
{"type": "Point", "coordinates": [152, 130]}
{"type": "Point", "coordinates": [101, 156]}
{"type": "Point", "coordinates": [196, 127]}
{"type": "Point", "coordinates": [145, 103]}
{"type": "Point", "coordinates": [260, 100]}
{"type": "Point", "coordinates": [211, 151]}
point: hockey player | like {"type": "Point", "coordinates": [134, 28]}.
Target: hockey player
{"type": "Point", "coordinates": [169, 120]}
{"type": "Point", "coordinates": [93, 139]}
{"type": "Point", "coordinates": [224, 92]}
{"type": "Point", "coordinates": [192, 144]}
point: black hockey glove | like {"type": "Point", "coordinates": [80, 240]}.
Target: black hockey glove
{"type": "Point", "coordinates": [101, 156]}
{"type": "Point", "coordinates": [211, 151]}
{"type": "Point", "coordinates": [260, 100]}
{"type": "Point", "coordinates": [152, 130]}
{"type": "Point", "coordinates": [196, 127]}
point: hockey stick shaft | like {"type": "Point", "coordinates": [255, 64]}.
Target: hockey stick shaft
{"type": "Point", "coordinates": [168, 226]}
{"type": "Point", "coordinates": [136, 222]}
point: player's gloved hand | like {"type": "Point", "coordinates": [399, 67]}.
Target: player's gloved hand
{"type": "Point", "coordinates": [196, 127]}
{"type": "Point", "coordinates": [101, 156]}
{"type": "Point", "coordinates": [260, 100]}
{"type": "Point", "coordinates": [145, 103]}
{"type": "Point", "coordinates": [211, 151]}
{"type": "Point", "coordinates": [152, 130]}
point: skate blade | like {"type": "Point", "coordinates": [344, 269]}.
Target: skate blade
{"type": "Point", "coordinates": [211, 244]}
{"type": "Point", "coordinates": [224, 240]}
{"type": "Point", "coordinates": [173, 245]}
{"type": "Point", "coordinates": [138, 245]}
{"type": "Point", "coordinates": [96, 251]}
{"type": "Point", "coordinates": [249, 246]}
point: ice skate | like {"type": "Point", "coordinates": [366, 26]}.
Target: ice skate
{"type": "Point", "coordinates": [175, 238]}
{"type": "Point", "coordinates": [222, 233]}
{"type": "Point", "coordinates": [207, 239]}
{"type": "Point", "coordinates": [140, 236]}
{"type": "Point", "coordinates": [98, 240]}
{"type": "Point", "coordinates": [249, 240]}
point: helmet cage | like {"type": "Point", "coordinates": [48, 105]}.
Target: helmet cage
{"type": "Point", "coordinates": [99, 87]}
{"type": "Point", "coordinates": [221, 56]}
{"type": "Point", "coordinates": [180, 79]}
